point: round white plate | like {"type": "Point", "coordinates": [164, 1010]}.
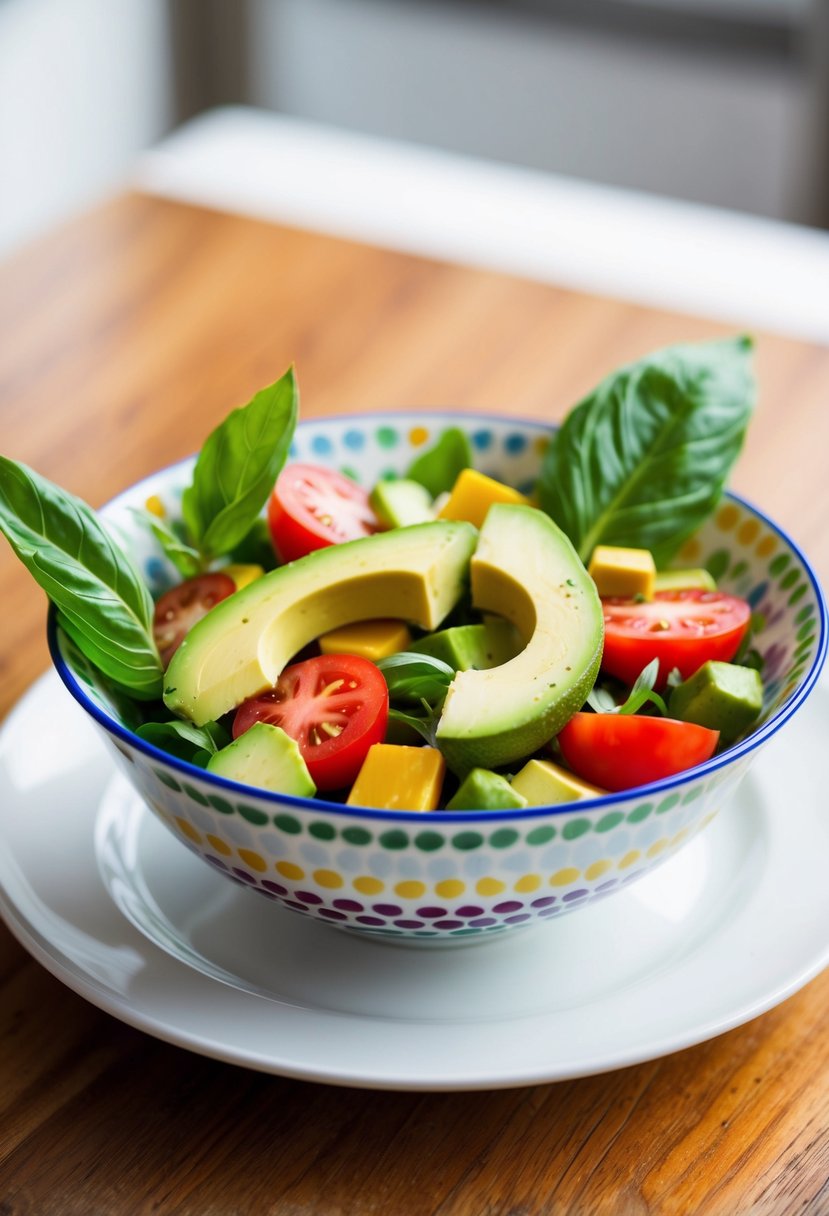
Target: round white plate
{"type": "Point", "coordinates": [107, 900]}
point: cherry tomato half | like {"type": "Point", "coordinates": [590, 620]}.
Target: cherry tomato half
{"type": "Point", "coordinates": [178, 609]}
{"type": "Point", "coordinates": [312, 507]}
{"type": "Point", "coordinates": [619, 751]}
{"type": "Point", "coordinates": [335, 706]}
{"type": "Point", "coordinates": [682, 629]}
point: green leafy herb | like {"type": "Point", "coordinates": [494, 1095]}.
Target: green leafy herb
{"type": "Point", "coordinates": [256, 547]}
{"type": "Point", "coordinates": [101, 600]}
{"type": "Point", "coordinates": [184, 557]}
{"type": "Point", "coordinates": [438, 467]}
{"type": "Point", "coordinates": [601, 700]}
{"type": "Point", "coordinates": [186, 741]}
{"type": "Point", "coordinates": [748, 655]}
{"type": "Point", "coordinates": [644, 459]}
{"type": "Point", "coordinates": [237, 467]}
{"type": "Point", "coordinates": [426, 725]}
{"type": "Point", "coordinates": [642, 691]}
{"type": "Point", "coordinates": [416, 677]}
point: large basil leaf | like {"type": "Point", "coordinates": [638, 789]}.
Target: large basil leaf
{"type": "Point", "coordinates": [237, 467]}
{"type": "Point", "coordinates": [644, 459]}
{"type": "Point", "coordinates": [416, 677]}
{"type": "Point", "coordinates": [101, 600]}
{"type": "Point", "coordinates": [438, 467]}
{"type": "Point", "coordinates": [193, 743]}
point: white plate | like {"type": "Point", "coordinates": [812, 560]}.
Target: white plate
{"type": "Point", "coordinates": [104, 897]}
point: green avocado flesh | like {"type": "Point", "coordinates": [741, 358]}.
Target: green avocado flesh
{"type": "Point", "coordinates": [266, 757]}
{"type": "Point", "coordinates": [465, 647]}
{"type": "Point", "coordinates": [240, 648]}
{"type": "Point", "coordinates": [401, 503]}
{"type": "Point", "coordinates": [482, 790]}
{"type": "Point", "coordinates": [721, 696]}
{"type": "Point", "coordinates": [524, 569]}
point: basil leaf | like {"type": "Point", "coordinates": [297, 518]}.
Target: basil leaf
{"type": "Point", "coordinates": [601, 700]}
{"type": "Point", "coordinates": [101, 600]}
{"type": "Point", "coordinates": [642, 691]}
{"type": "Point", "coordinates": [416, 677]}
{"type": "Point", "coordinates": [186, 559]}
{"type": "Point", "coordinates": [237, 467]}
{"type": "Point", "coordinates": [643, 460]}
{"type": "Point", "coordinates": [186, 741]}
{"type": "Point", "coordinates": [425, 727]}
{"type": "Point", "coordinates": [438, 467]}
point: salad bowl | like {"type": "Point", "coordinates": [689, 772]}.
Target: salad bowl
{"type": "Point", "coordinates": [450, 877]}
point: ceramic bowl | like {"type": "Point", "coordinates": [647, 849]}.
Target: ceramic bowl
{"type": "Point", "coordinates": [465, 876]}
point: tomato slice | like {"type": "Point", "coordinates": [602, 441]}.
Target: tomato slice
{"type": "Point", "coordinates": [312, 507]}
{"type": "Point", "coordinates": [619, 751]}
{"type": "Point", "coordinates": [178, 609]}
{"type": "Point", "coordinates": [682, 629]}
{"type": "Point", "coordinates": [335, 706]}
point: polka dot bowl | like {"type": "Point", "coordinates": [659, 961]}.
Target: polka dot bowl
{"type": "Point", "coordinates": [457, 877]}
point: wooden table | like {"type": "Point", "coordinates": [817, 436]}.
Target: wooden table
{"type": "Point", "coordinates": [126, 337]}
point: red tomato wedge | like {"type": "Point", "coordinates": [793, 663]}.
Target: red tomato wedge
{"type": "Point", "coordinates": [335, 706]}
{"type": "Point", "coordinates": [619, 751]}
{"type": "Point", "coordinates": [312, 507]}
{"type": "Point", "coordinates": [682, 629]}
{"type": "Point", "coordinates": [178, 609]}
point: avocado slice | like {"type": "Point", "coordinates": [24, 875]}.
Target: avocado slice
{"type": "Point", "coordinates": [721, 696]}
{"type": "Point", "coordinates": [241, 646]}
{"type": "Point", "coordinates": [542, 783]}
{"type": "Point", "coordinates": [266, 757]}
{"type": "Point", "coordinates": [526, 570]}
{"type": "Point", "coordinates": [483, 790]}
{"type": "Point", "coordinates": [681, 580]}
{"type": "Point", "coordinates": [401, 503]}
{"type": "Point", "coordinates": [472, 647]}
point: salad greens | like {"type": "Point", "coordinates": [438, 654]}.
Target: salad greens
{"type": "Point", "coordinates": [438, 467]}
{"type": "Point", "coordinates": [186, 740]}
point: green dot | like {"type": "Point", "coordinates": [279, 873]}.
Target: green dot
{"type": "Point", "coordinates": [778, 564]}
{"type": "Point", "coordinates": [357, 836]}
{"type": "Point", "coordinates": [803, 647]}
{"type": "Point", "coordinates": [804, 614]}
{"type": "Point", "coordinates": [575, 828]}
{"type": "Point", "coordinates": [667, 804]}
{"type": "Point", "coordinates": [789, 580]}
{"type": "Point", "coordinates": [696, 791]}
{"type": "Point", "coordinates": [387, 436]}
{"type": "Point", "coordinates": [395, 839]}
{"type": "Point", "coordinates": [540, 835]}
{"type": "Point", "coordinates": [287, 823]}
{"type": "Point", "coordinates": [640, 812]}
{"type": "Point", "coordinates": [503, 838]}
{"type": "Point", "coordinates": [467, 840]}
{"type": "Point", "coordinates": [195, 795]}
{"type": "Point", "coordinates": [717, 563]}
{"type": "Point", "coordinates": [388, 475]}
{"type": "Point", "coordinates": [805, 631]}
{"type": "Point", "coordinates": [739, 569]}
{"type": "Point", "coordinates": [798, 594]}
{"type": "Point", "coordinates": [350, 472]}
{"type": "Point", "coordinates": [463, 932]}
{"type": "Point", "coordinates": [167, 780]}
{"type": "Point", "coordinates": [221, 804]}
{"type": "Point", "coordinates": [322, 830]}
{"type": "Point", "coordinates": [429, 841]}
{"type": "Point", "coordinates": [608, 822]}
{"type": "Point", "coordinates": [254, 816]}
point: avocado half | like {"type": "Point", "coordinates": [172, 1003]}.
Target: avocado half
{"type": "Point", "coordinates": [526, 570]}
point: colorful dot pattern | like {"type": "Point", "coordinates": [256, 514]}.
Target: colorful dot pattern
{"type": "Point", "coordinates": [438, 880]}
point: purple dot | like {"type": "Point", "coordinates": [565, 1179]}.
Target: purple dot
{"type": "Point", "coordinates": [330, 914]}
{"type": "Point", "coordinates": [274, 887]}
{"type": "Point", "coordinates": [348, 905]}
{"type": "Point", "coordinates": [546, 901]}
{"type": "Point", "coordinates": [573, 895]}
{"type": "Point", "coordinates": [469, 910]}
{"type": "Point", "coordinates": [483, 921]}
{"type": "Point", "coordinates": [243, 876]}
{"type": "Point", "coordinates": [291, 903]}
{"type": "Point", "coordinates": [449, 924]}
{"type": "Point", "coordinates": [549, 911]}
{"type": "Point", "coordinates": [516, 920]}
{"type": "Point", "coordinates": [432, 913]}
{"type": "Point", "coordinates": [631, 877]}
{"type": "Point", "coordinates": [370, 920]}
{"type": "Point", "coordinates": [509, 905]}
{"type": "Point", "coordinates": [607, 886]}
{"type": "Point", "coordinates": [308, 897]}
{"type": "Point", "coordinates": [387, 909]}
{"type": "Point", "coordinates": [410, 924]}
{"type": "Point", "coordinates": [215, 861]}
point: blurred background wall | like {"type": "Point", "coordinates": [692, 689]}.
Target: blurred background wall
{"type": "Point", "coordinates": [718, 101]}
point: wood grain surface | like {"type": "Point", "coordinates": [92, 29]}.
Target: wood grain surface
{"type": "Point", "coordinates": [125, 337]}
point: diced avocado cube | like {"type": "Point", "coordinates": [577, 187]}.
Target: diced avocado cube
{"type": "Point", "coordinates": [483, 790]}
{"type": "Point", "coordinates": [721, 696]}
{"type": "Point", "coordinates": [472, 647]}
{"type": "Point", "coordinates": [541, 783]}
{"type": "Point", "coordinates": [684, 580]}
{"type": "Point", "coordinates": [622, 572]}
{"type": "Point", "coordinates": [401, 503]}
{"type": "Point", "coordinates": [266, 757]}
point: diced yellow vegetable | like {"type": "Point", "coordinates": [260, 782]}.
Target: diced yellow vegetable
{"type": "Point", "coordinates": [369, 639]}
{"type": "Point", "coordinates": [395, 778]}
{"type": "Point", "coordinates": [243, 575]}
{"type": "Point", "coordinates": [541, 782]}
{"type": "Point", "coordinates": [473, 494]}
{"type": "Point", "coordinates": [682, 580]}
{"type": "Point", "coordinates": [624, 572]}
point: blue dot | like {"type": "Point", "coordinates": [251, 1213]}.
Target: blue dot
{"type": "Point", "coordinates": [515, 444]}
{"type": "Point", "coordinates": [354, 440]}
{"type": "Point", "coordinates": [755, 596]}
{"type": "Point", "coordinates": [156, 572]}
{"type": "Point", "coordinates": [293, 452]}
{"type": "Point", "coordinates": [321, 445]}
{"type": "Point", "coordinates": [482, 440]}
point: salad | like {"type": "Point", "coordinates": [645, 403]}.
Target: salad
{"type": "Point", "coordinates": [438, 640]}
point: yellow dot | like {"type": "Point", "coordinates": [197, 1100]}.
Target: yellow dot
{"type": "Point", "coordinates": [562, 877]}
{"type": "Point", "coordinates": [708, 819]}
{"type": "Point", "coordinates": [288, 870]}
{"type": "Point", "coordinates": [411, 889]}
{"type": "Point", "coordinates": [155, 506]}
{"type": "Point", "coordinates": [449, 888]}
{"type": "Point", "coordinates": [629, 859]}
{"type": "Point", "coordinates": [254, 860]}
{"type": "Point", "coordinates": [541, 444]}
{"type": "Point", "coordinates": [219, 845]}
{"type": "Point", "coordinates": [766, 546]}
{"type": "Point", "coordinates": [489, 886]}
{"type": "Point", "coordinates": [681, 835]}
{"type": "Point", "coordinates": [188, 830]}
{"type": "Point", "coordinates": [691, 550]}
{"type": "Point", "coordinates": [528, 882]}
{"type": "Point", "coordinates": [597, 869]}
{"type": "Point", "coordinates": [657, 847]}
{"type": "Point", "coordinates": [328, 878]}
{"type": "Point", "coordinates": [727, 517]}
{"type": "Point", "coordinates": [418, 435]}
{"type": "Point", "coordinates": [368, 885]}
{"type": "Point", "coordinates": [748, 531]}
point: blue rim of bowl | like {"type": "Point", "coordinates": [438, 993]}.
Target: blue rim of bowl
{"type": "Point", "coordinates": [583, 807]}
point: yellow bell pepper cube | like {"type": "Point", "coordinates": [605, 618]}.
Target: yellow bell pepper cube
{"type": "Point", "coordinates": [369, 639]}
{"type": "Point", "coordinates": [473, 494]}
{"type": "Point", "coordinates": [243, 575]}
{"type": "Point", "coordinates": [622, 572]}
{"type": "Point", "coordinates": [396, 778]}
{"type": "Point", "coordinates": [543, 783]}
